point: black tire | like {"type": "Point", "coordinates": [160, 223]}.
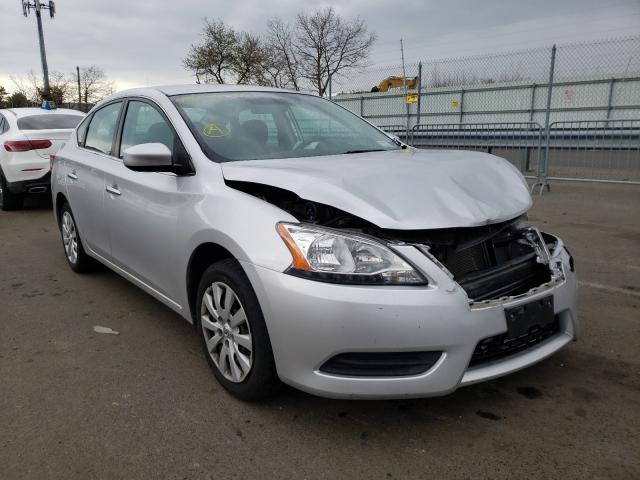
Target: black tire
{"type": "Point", "coordinates": [81, 262]}
{"type": "Point", "coordinates": [9, 200]}
{"type": "Point", "coordinates": [262, 379]}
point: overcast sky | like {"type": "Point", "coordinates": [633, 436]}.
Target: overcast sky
{"type": "Point", "coordinates": [142, 42]}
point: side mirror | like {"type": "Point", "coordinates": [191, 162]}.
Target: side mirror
{"type": "Point", "coordinates": [148, 157]}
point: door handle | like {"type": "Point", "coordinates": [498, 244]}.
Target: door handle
{"type": "Point", "coordinates": [72, 175]}
{"type": "Point", "coordinates": [114, 190]}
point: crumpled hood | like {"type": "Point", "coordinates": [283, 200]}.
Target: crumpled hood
{"type": "Point", "coordinates": [400, 189]}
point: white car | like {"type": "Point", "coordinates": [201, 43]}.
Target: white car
{"type": "Point", "coordinates": [27, 137]}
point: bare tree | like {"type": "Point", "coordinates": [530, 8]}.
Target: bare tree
{"type": "Point", "coordinates": [317, 48]}
{"type": "Point", "coordinates": [327, 46]}
{"type": "Point", "coordinates": [93, 84]}
{"type": "Point", "coordinates": [26, 86]}
{"type": "Point", "coordinates": [32, 88]}
{"type": "Point", "coordinates": [283, 68]}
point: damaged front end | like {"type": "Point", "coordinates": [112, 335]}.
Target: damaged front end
{"type": "Point", "coordinates": [492, 263]}
{"type": "Point", "coordinates": [496, 263]}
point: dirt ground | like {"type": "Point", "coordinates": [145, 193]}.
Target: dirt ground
{"type": "Point", "coordinates": [75, 404]}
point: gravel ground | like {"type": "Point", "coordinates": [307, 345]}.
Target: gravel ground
{"type": "Point", "coordinates": [75, 404]}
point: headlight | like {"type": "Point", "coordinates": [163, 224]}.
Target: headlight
{"type": "Point", "coordinates": [330, 256]}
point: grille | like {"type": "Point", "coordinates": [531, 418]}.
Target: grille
{"type": "Point", "coordinates": [380, 364]}
{"type": "Point", "coordinates": [469, 260]}
{"type": "Point", "coordinates": [510, 278]}
{"type": "Point", "coordinates": [501, 346]}
{"type": "Point", "coordinates": [501, 266]}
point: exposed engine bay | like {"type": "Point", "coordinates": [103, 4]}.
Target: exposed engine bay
{"type": "Point", "coordinates": [489, 262]}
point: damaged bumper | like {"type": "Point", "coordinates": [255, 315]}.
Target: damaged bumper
{"type": "Point", "coordinates": [406, 341]}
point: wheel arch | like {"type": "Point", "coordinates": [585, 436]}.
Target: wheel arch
{"type": "Point", "coordinates": [202, 258]}
{"type": "Point", "coordinates": [59, 202]}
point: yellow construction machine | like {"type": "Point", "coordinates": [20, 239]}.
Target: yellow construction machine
{"type": "Point", "coordinates": [395, 82]}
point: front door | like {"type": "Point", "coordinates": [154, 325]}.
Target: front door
{"type": "Point", "coordinates": [143, 208]}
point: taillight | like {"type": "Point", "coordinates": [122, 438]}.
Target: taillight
{"type": "Point", "coordinates": [26, 145]}
{"type": "Point", "coordinates": [52, 158]}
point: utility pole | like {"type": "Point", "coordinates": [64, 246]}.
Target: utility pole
{"type": "Point", "coordinates": [38, 6]}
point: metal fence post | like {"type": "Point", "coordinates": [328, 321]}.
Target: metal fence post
{"type": "Point", "coordinates": [361, 106]}
{"type": "Point", "coordinates": [532, 107]}
{"type": "Point", "coordinates": [610, 100]}
{"type": "Point", "coordinates": [419, 106]}
{"type": "Point", "coordinates": [543, 170]}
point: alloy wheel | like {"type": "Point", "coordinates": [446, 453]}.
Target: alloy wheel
{"type": "Point", "coordinates": [226, 331]}
{"type": "Point", "coordinates": [70, 237]}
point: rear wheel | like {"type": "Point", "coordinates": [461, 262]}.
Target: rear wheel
{"type": "Point", "coordinates": [9, 200]}
{"type": "Point", "coordinates": [233, 332]}
{"type": "Point", "coordinates": [77, 258]}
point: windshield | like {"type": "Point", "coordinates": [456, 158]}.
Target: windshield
{"type": "Point", "coordinates": [49, 121]}
{"type": "Point", "coordinates": [262, 125]}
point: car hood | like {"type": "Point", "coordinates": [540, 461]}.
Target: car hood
{"type": "Point", "coordinates": [400, 189]}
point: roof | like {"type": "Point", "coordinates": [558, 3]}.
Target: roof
{"type": "Point", "coordinates": [199, 88]}
{"type": "Point", "coordinates": [25, 112]}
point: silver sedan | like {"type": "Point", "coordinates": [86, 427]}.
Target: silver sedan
{"type": "Point", "coordinates": [309, 247]}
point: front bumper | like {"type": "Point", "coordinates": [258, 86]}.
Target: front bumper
{"type": "Point", "coordinates": [310, 322]}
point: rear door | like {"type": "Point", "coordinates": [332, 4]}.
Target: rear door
{"type": "Point", "coordinates": [85, 167]}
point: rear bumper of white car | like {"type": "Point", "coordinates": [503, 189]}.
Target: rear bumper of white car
{"type": "Point", "coordinates": [36, 185]}
{"type": "Point", "coordinates": [311, 322]}
{"type": "Point", "coordinates": [26, 170]}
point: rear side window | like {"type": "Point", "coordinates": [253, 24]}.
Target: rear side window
{"type": "Point", "coordinates": [102, 128]}
{"type": "Point", "coordinates": [51, 121]}
{"type": "Point", "coordinates": [3, 125]}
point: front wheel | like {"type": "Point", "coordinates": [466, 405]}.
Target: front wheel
{"type": "Point", "coordinates": [233, 332]}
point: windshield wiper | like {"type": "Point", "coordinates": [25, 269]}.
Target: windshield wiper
{"type": "Point", "coordinates": [365, 151]}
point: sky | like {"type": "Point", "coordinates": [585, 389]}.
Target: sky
{"type": "Point", "coordinates": [142, 42]}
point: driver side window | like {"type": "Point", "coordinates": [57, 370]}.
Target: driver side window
{"type": "Point", "coordinates": [143, 123]}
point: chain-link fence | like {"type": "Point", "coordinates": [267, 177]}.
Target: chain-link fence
{"type": "Point", "coordinates": [597, 83]}
{"type": "Point", "coordinates": [518, 142]}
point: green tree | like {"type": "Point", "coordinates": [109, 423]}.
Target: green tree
{"type": "Point", "coordinates": [213, 59]}
{"type": "Point", "coordinates": [3, 94]}
{"type": "Point", "coordinates": [17, 100]}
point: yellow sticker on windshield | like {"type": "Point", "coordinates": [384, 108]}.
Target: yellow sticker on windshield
{"type": "Point", "coordinates": [213, 130]}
